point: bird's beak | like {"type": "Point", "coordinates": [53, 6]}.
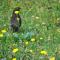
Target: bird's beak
{"type": "Point", "coordinates": [17, 12]}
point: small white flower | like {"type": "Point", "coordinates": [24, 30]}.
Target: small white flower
{"type": "Point", "coordinates": [37, 17]}
{"type": "Point", "coordinates": [33, 16]}
{"type": "Point", "coordinates": [41, 38]}
{"type": "Point", "coordinates": [43, 23]}
{"type": "Point", "coordinates": [58, 30]}
{"type": "Point", "coordinates": [58, 18]}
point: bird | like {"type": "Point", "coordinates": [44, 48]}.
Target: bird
{"type": "Point", "coordinates": [15, 20]}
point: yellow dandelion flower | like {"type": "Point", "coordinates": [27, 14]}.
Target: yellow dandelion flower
{"type": "Point", "coordinates": [15, 50]}
{"type": "Point", "coordinates": [3, 31]}
{"type": "Point", "coordinates": [52, 58]}
{"type": "Point", "coordinates": [1, 35]}
{"type": "Point", "coordinates": [16, 12]}
{"type": "Point", "coordinates": [14, 59]}
{"type": "Point", "coordinates": [33, 39]}
{"type": "Point", "coordinates": [31, 51]}
{"type": "Point", "coordinates": [26, 42]}
{"type": "Point", "coordinates": [43, 52]}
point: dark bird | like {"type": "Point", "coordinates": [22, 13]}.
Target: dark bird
{"type": "Point", "coordinates": [16, 20]}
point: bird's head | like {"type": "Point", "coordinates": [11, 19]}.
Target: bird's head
{"type": "Point", "coordinates": [17, 10]}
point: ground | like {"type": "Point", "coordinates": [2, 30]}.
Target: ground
{"type": "Point", "coordinates": [39, 36]}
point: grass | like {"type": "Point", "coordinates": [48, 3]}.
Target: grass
{"type": "Point", "coordinates": [40, 21]}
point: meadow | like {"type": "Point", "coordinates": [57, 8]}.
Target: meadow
{"type": "Point", "coordinates": [39, 36]}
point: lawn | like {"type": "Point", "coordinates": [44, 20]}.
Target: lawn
{"type": "Point", "coordinates": [39, 36]}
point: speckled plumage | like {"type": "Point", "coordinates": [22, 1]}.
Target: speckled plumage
{"type": "Point", "coordinates": [15, 20]}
